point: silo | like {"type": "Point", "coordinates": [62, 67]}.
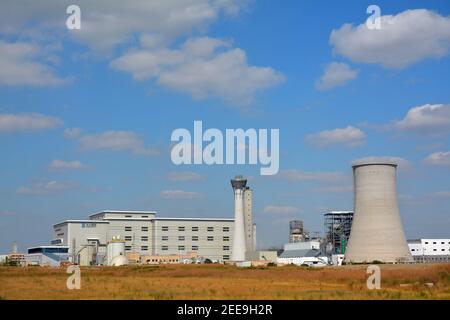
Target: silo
{"type": "Point", "coordinates": [115, 248]}
{"type": "Point", "coordinates": [376, 233]}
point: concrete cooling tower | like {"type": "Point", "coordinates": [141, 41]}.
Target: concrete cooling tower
{"type": "Point", "coordinates": [377, 232]}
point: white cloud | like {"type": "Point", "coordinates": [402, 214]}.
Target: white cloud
{"type": "Point", "coordinates": [116, 141]}
{"type": "Point", "coordinates": [271, 209]}
{"type": "Point", "coordinates": [27, 121]}
{"type": "Point", "coordinates": [202, 67]}
{"type": "Point", "coordinates": [428, 118]}
{"type": "Point", "coordinates": [61, 165]}
{"type": "Point", "coordinates": [403, 39]}
{"type": "Point", "coordinates": [19, 65]}
{"type": "Point", "coordinates": [349, 137]}
{"type": "Point", "coordinates": [297, 175]}
{"type": "Point", "coordinates": [44, 188]}
{"type": "Point", "coordinates": [185, 176]}
{"type": "Point", "coordinates": [439, 158]}
{"type": "Point", "coordinates": [72, 133]}
{"type": "Point", "coordinates": [336, 74]}
{"type": "Point", "coordinates": [179, 194]}
{"type": "Point", "coordinates": [106, 24]}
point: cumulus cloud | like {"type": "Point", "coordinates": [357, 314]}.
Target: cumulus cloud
{"type": "Point", "coordinates": [202, 67]}
{"type": "Point", "coordinates": [438, 159]}
{"type": "Point", "coordinates": [179, 194]}
{"type": "Point", "coordinates": [44, 187]}
{"type": "Point", "coordinates": [349, 137]}
{"type": "Point", "coordinates": [428, 118]}
{"type": "Point", "coordinates": [403, 39]}
{"type": "Point", "coordinates": [27, 121]}
{"type": "Point", "coordinates": [111, 140]}
{"type": "Point", "coordinates": [271, 209]}
{"type": "Point", "coordinates": [62, 165]}
{"type": "Point", "coordinates": [72, 133]}
{"type": "Point", "coordinates": [19, 65]}
{"type": "Point", "coordinates": [336, 74]}
{"type": "Point", "coordinates": [106, 24]}
{"type": "Point", "coordinates": [185, 176]}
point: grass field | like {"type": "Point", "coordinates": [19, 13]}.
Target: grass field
{"type": "Point", "coordinates": [226, 282]}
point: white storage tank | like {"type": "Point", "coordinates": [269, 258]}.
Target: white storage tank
{"type": "Point", "coordinates": [115, 248]}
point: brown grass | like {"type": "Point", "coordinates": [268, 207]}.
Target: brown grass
{"type": "Point", "coordinates": [226, 282]}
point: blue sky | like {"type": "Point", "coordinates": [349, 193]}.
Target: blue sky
{"type": "Point", "coordinates": [86, 115]}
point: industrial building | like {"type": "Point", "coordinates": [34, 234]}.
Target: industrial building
{"type": "Point", "coordinates": [337, 230]}
{"type": "Point", "coordinates": [50, 256]}
{"type": "Point", "coordinates": [430, 250]}
{"type": "Point", "coordinates": [145, 234]}
{"type": "Point", "coordinates": [305, 253]}
{"type": "Point", "coordinates": [296, 231]}
{"type": "Point", "coordinates": [377, 232]}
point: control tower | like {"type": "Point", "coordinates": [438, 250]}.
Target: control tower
{"type": "Point", "coordinates": [238, 249]}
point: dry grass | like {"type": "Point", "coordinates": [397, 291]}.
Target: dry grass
{"type": "Point", "coordinates": [226, 282]}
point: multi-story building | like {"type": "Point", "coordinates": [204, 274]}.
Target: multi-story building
{"type": "Point", "coordinates": [145, 234]}
{"type": "Point", "coordinates": [430, 250]}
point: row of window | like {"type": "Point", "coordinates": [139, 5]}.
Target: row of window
{"type": "Point", "coordinates": [130, 216]}
{"type": "Point", "coordinates": [165, 248]}
{"type": "Point", "coordinates": [180, 238]}
{"type": "Point", "coordinates": [425, 249]}
{"type": "Point", "coordinates": [209, 229]}
{"type": "Point", "coordinates": [442, 242]}
{"type": "Point", "coordinates": [128, 228]}
{"type": "Point", "coordinates": [181, 228]}
{"type": "Point", "coordinates": [195, 238]}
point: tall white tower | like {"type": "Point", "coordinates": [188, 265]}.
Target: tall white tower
{"type": "Point", "coordinates": [248, 220]}
{"type": "Point", "coordinates": [377, 232]}
{"type": "Point", "coordinates": [239, 243]}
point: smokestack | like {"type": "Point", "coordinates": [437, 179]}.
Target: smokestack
{"type": "Point", "coordinates": [239, 243]}
{"type": "Point", "coordinates": [376, 233]}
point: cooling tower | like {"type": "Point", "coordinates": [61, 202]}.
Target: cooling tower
{"type": "Point", "coordinates": [376, 233]}
{"type": "Point", "coordinates": [239, 243]}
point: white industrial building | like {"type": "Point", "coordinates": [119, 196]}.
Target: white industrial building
{"type": "Point", "coordinates": [430, 250]}
{"type": "Point", "coordinates": [303, 253]}
{"type": "Point", "coordinates": [144, 234]}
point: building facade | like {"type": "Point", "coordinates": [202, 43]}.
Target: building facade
{"type": "Point", "coordinates": [430, 250]}
{"type": "Point", "coordinates": [144, 234]}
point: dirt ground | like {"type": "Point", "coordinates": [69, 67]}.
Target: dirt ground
{"type": "Point", "coordinates": [227, 282]}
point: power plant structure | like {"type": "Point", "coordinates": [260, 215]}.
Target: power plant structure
{"type": "Point", "coordinates": [244, 236]}
{"type": "Point", "coordinates": [337, 230]}
{"type": "Point", "coordinates": [377, 232]}
{"type": "Point", "coordinates": [296, 232]}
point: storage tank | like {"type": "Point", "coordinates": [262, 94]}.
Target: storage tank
{"type": "Point", "coordinates": [377, 232]}
{"type": "Point", "coordinates": [115, 248]}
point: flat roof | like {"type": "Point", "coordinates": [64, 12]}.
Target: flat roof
{"type": "Point", "coordinates": [123, 211]}
{"type": "Point", "coordinates": [47, 247]}
{"type": "Point", "coordinates": [205, 219]}
{"type": "Point", "coordinates": [80, 221]}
